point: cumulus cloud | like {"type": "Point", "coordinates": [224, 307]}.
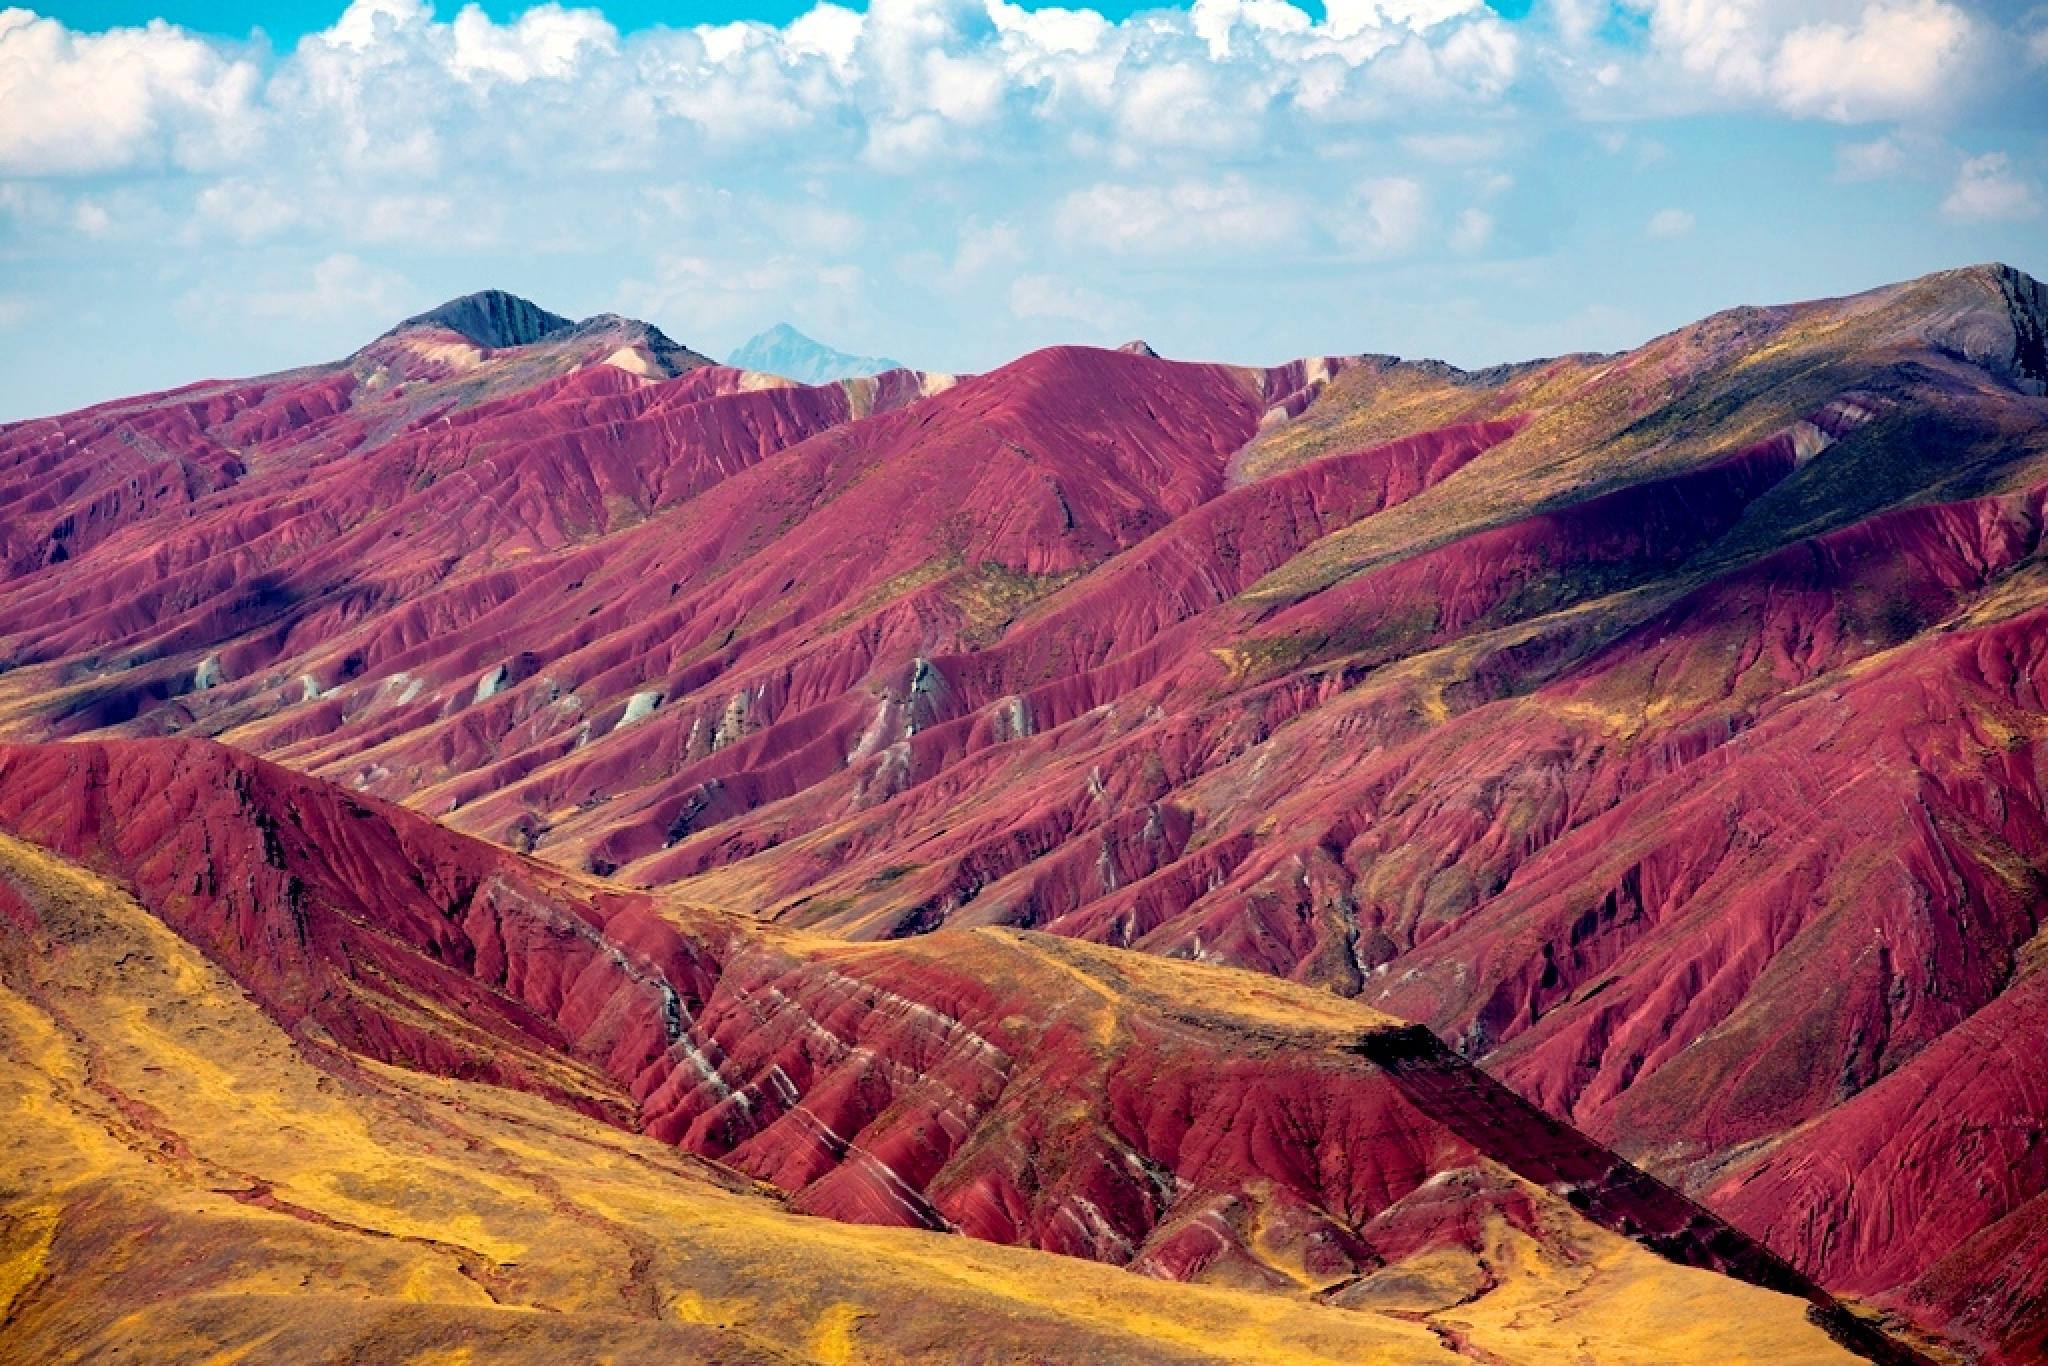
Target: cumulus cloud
{"type": "Point", "coordinates": [1891, 61]}
{"type": "Point", "coordinates": [547, 42]}
{"type": "Point", "coordinates": [1988, 190]}
{"type": "Point", "coordinates": [1888, 59]}
{"type": "Point", "coordinates": [389, 87]}
{"type": "Point", "coordinates": [83, 102]}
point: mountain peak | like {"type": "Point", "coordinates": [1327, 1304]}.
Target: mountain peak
{"type": "Point", "coordinates": [782, 350]}
{"type": "Point", "coordinates": [492, 318]}
{"type": "Point", "coordinates": [1990, 315]}
{"type": "Point", "coordinates": [670, 355]}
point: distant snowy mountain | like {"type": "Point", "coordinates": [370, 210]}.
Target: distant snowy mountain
{"type": "Point", "coordinates": [782, 350]}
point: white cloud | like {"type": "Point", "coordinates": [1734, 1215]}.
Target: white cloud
{"type": "Point", "coordinates": [341, 285]}
{"type": "Point", "coordinates": [897, 143]}
{"type": "Point", "coordinates": [28, 203]}
{"type": "Point", "coordinates": [1349, 17]}
{"type": "Point", "coordinates": [1986, 190]}
{"type": "Point", "coordinates": [1473, 231]}
{"type": "Point", "coordinates": [1807, 58]}
{"type": "Point", "coordinates": [392, 91]}
{"type": "Point", "coordinates": [1177, 106]}
{"type": "Point", "coordinates": [1227, 215]}
{"type": "Point", "coordinates": [1873, 160]}
{"type": "Point", "coordinates": [1216, 22]}
{"type": "Point", "coordinates": [545, 42]}
{"type": "Point", "coordinates": [1048, 296]}
{"type": "Point", "coordinates": [428, 219]}
{"type": "Point", "coordinates": [366, 23]}
{"type": "Point", "coordinates": [1456, 148]}
{"type": "Point", "coordinates": [985, 245]}
{"type": "Point", "coordinates": [1893, 61]}
{"type": "Point", "coordinates": [1388, 216]}
{"type": "Point", "coordinates": [816, 227]}
{"type": "Point", "coordinates": [91, 219]}
{"type": "Point", "coordinates": [828, 31]}
{"type": "Point", "coordinates": [962, 89]}
{"type": "Point", "coordinates": [82, 102]}
{"type": "Point", "coordinates": [1060, 32]}
{"type": "Point", "coordinates": [244, 210]}
{"type": "Point", "coordinates": [1644, 151]}
{"type": "Point", "coordinates": [1711, 39]}
{"type": "Point", "coordinates": [730, 297]}
{"type": "Point", "coordinates": [1666, 223]}
{"type": "Point", "coordinates": [1578, 20]}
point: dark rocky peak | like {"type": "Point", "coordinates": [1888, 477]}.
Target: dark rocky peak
{"type": "Point", "coordinates": [492, 318]}
{"type": "Point", "coordinates": [671, 354]}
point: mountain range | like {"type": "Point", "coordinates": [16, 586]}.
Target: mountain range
{"type": "Point", "coordinates": [1354, 858]}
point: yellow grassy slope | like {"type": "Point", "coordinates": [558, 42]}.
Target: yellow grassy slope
{"type": "Point", "coordinates": [181, 1183]}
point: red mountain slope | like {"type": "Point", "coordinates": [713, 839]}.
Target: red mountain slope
{"type": "Point", "coordinates": [1660, 727]}
{"type": "Point", "coordinates": [187, 1182]}
{"type": "Point", "coordinates": [1185, 1121]}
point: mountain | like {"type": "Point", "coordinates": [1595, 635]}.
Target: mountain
{"type": "Point", "coordinates": [782, 350]}
{"type": "Point", "coordinates": [1660, 730]}
{"type": "Point", "coordinates": [312, 1093]}
{"type": "Point", "coordinates": [491, 318]}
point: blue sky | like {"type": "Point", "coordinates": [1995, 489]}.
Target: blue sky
{"type": "Point", "coordinates": [224, 189]}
